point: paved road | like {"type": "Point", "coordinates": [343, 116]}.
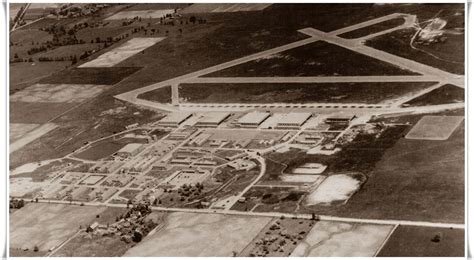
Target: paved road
{"type": "Point", "coordinates": [321, 79]}
{"type": "Point", "coordinates": [454, 79]}
{"type": "Point", "coordinates": [428, 73]}
{"type": "Point", "coordinates": [278, 214]}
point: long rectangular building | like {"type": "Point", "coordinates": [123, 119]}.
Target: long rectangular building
{"type": "Point", "coordinates": [212, 119]}
{"type": "Point", "coordinates": [253, 119]}
{"type": "Point", "coordinates": [174, 119]}
{"type": "Point", "coordinates": [293, 120]}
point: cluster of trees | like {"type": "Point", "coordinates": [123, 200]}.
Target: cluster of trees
{"type": "Point", "coordinates": [35, 50]}
{"type": "Point", "coordinates": [17, 203]}
{"type": "Point", "coordinates": [71, 58]}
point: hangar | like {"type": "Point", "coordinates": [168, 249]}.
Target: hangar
{"type": "Point", "coordinates": [212, 119]}
{"type": "Point", "coordinates": [293, 120]}
{"type": "Point", "coordinates": [130, 150]}
{"type": "Point", "coordinates": [174, 119]}
{"type": "Point", "coordinates": [253, 119]}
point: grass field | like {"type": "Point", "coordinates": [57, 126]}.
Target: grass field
{"type": "Point", "coordinates": [369, 93]}
{"type": "Point", "coordinates": [445, 94]}
{"type": "Point", "coordinates": [96, 76]}
{"type": "Point", "coordinates": [378, 27]}
{"type": "Point", "coordinates": [19, 130]}
{"type": "Point", "coordinates": [435, 127]}
{"type": "Point", "coordinates": [409, 241]}
{"type": "Point", "coordinates": [161, 95]}
{"type": "Point", "coordinates": [450, 52]}
{"type": "Point", "coordinates": [314, 59]}
{"type": "Point", "coordinates": [57, 93]}
{"type": "Point", "coordinates": [36, 113]}
{"type": "Point", "coordinates": [48, 225]}
{"type": "Point", "coordinates": [105, 148]}
{"type": "Point", "coordinates": [339, 239]}
{"type": "Point", "coordinates": [184, 234]}
{"type": "Point", "coordinates": [25, 74]}
{"type": "Point", "coordinates": [414, 180]}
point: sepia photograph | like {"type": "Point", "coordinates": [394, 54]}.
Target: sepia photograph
{"type": "Point", "coordinates": [257, 129]}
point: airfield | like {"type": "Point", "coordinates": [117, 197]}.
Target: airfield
{"type": "Point", "coordinates": [291, 152]}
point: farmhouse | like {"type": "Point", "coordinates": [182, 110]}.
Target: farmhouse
{"type": "Point", "coordinates": [130, 150]}
{"type": "Point", "coordinates": [293, 120]}
{"type": "Point", "coordinates": [212, 119]}
{"type": "Point", "coordinates": [253, 119]}
{"type": "Point", "coordinates": [174, 119]}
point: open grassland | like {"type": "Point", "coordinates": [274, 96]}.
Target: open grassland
{"type": "Point", "coordinates": [419, 180]}
{"type": "Point", "coordinates": [155, 6]}
{"type": "Point", "coordinates": [19, 130]}
{"type": "Point", "coordinates": [369, 93]}
{"type": "Point", "coordinates": [48, 225]}
{"type": "Point", "coordinates": [409, 241]}
{"type": "Point", "coordinates": [122, 52]}
{"type": "Point", "coordinates": [36, 113]}
{"type": "Point", "coordinates": [189, 234]}
{"type": "Point", "coordinates": [340, 239]}
{"type": "Point", "coordinates": [106, 147]}
{"type": "Point", "coordinates": [314, 59]}
{"type": "Point", "coordinates": [446, 94]}
{"type": "Point", "coordinates": [375, 28]}
{"type": "Point", "coordinates": [96, 76]}
{"type": "Point", "coordinates": [434, 127]}
{"type": "Point", "coordinates": [74, 130]}
{"type": "Point", "coordinates": [57, 93]}
{"type": "Point", "coordinates": [160, 95]}
{"type": "Point", "coordinates": [31, 136]}
{"type": "Point", "coordinates": [24, 74]}
{"type": "Point", "coordinates": [189, 51]}
{"type": "Point", "coordinates": [450, 53]}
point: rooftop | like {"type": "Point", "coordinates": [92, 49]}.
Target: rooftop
{"type": "Point", "coordinates": [176, 117]}
{"type": "Point", "coordinates": [130, 148]}
{"type": "Point", "coordinates": [295, 118]}
{"type": "Point", "coordinates": [213, 117]}
{"type": "Point", "coordinates": [254, 118]}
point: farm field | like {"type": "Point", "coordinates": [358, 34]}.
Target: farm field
{"type": "Point", "coordinates": [95, 76]}
{"type": "Point", "coordinates": [368, 93]}
{"type": "Point", "coordinates": [223, 8]}
{"type": "Point", "coordinates": [314, 59]}
{"type": "Point", "coordinates": [122, 52]}
{"type": "Point", "coordinates": [420, 242]}
{"type": "Point", "coordinates": [130, 14]}
{"type": "Point", "coordinates": [434, 127]}
{"type": "Point", "coordinates": [19, 130]}
{"type": "Point", "coordinates": [31, 136]}
{"type": "Point", "coordinates": [57, 93]}
{"type": "Point", "coordinates": [48, 225]}
{"type": "Point", "coordinates": [184, 231]}
{"type": "Point", "coordinates": [24, 74]}
{"type": "Point", "coordinates": [36, 112]}
{"type": "Point", "coordinates": [443, 95]}
{"type": "Point", "coordinates": [340, 239]}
